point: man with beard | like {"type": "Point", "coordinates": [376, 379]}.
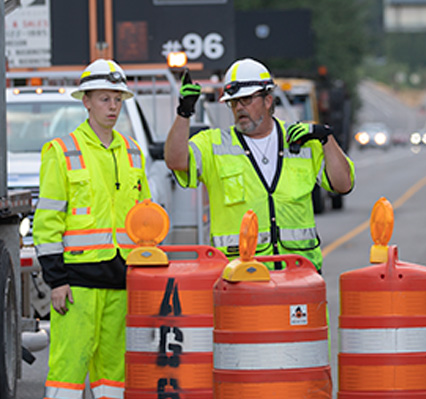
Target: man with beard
{"type": "Point", "coordinates": [257, 164]}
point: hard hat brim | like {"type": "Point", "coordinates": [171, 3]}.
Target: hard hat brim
{"type": "Point", "coordinates": [243, 92]}
{"type": "Point", "coordinates": [79, 93]}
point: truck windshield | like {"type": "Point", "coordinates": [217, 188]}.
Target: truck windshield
{"type": "Point", "coordinates": [30, 125]}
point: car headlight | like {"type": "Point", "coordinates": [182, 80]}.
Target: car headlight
{"type": "Point", "coordinates": [424, 138]}
{"type": "Point", "coordinates": [24, 227]}
{"type": "Point", "coordinates": [380, 138]}
{"type": "Point", "coordinates": [362, 137]}
{"type": "Point", "coordinates": [415, 138]}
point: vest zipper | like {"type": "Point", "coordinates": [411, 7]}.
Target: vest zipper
{"type": "Point", "coordinates": [270, 189]}
{"type": "Point", "coordinates": [117, 183]}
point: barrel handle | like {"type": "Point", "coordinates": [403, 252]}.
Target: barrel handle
{"type": "Point", "coordinates": [293, 261]}
{"type": "Point", "coordinates": [392, 259]}
{"type": "Point", "coordinates": [204, 252]}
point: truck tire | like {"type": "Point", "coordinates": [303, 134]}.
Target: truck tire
{"type": "Point", "coordinates": [9, 351]}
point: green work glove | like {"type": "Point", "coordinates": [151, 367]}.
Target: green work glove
{"type": "Point", "coordinates": [189, 93]}
{"type": "Point", "coordinates": [299, 133]}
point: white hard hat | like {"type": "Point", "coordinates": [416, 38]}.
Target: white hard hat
{"type": "Point", "coordinates": [103, 75]}
{"type": "Point", "coordinates": [245, 77]}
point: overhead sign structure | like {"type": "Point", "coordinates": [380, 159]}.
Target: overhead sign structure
{"type": "Point", "coordinates": [27, 33]}
{"type": "Point", "coordinates": [204, 29]}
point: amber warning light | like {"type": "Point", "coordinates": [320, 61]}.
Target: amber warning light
{"type": "Point", "coordinates": [177, 59]}
{"type": "Point", "coordinates": [246, 268]}
{"type": "Point", "coordinates": [147, 224]}
{"type": "Point", "coordinates": [381, 228]}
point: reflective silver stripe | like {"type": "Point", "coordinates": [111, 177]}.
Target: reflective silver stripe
{"type": "Point", "coordinates": [263, 238]}
{"type": "Point", "coordinates": [319, 176]}
{"type": "Point", "coordinates": [298, 234]}
{"type": "Point", "coordinates": [52, 205]}
{"type": "Point", "coordinates": [382, 340]}
{"type": "Point", "coordinates": [305, 153]}
{"type": "Point", "coordinates": [106, 391]}
{"type": "Point", "coordinates": [198, 158]}
{"type": "Point", "coordinates": [288, 355]}
{"type": "Point", "coordinates": [81, 211]}
{"type": "Point", "coordinates": [144, 339]}
{"type": "Point", "coordinates": [231, 150]}
{"type": "Point", "coordinates": [51, 248]}
{"type": "Point", "coordinates": [72, 153]}
{"type": "Point", "coordinates": [226, 147]}
{"type": "Point", "coordinates": [124, 239]}
{"type": "Point", "coordinates": [87, 240]}
{"type": "Point", "coordinates": [233, 240]}
{"type": "Point", "coordinates": [135, 153]}
{"type": "Point", "coordinates": [62, 393]}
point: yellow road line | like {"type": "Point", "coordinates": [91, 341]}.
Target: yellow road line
{"type": "Point", "coordinates": [363, 226]}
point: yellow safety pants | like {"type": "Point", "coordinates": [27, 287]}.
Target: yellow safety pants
{"type": "Point", "coordinates": [89, 338]}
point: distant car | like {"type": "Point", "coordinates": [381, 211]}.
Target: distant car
{"type": "Point", "coordinates": [418, 138]}
{"type": "Point", "coordinates": [373, 135]}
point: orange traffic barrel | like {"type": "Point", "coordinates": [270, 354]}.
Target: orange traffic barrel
{"type": "Point", "coordinates": [382, 328]}
{"type": "Point", "coordinates": [169, 326]}
{"type": "Point", "coordinates": [270, 331]}
{"type": "Point", "coordinates": [169, 323]}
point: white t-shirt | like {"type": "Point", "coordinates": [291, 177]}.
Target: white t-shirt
{"type": "Point", "coordinates": [265, 152]}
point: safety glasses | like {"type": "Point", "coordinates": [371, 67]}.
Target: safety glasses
{"type": "Point", "coordinates": [244, 101]}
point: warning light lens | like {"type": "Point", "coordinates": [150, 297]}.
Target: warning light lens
{"type": "Point", "coordinates": [177, 59]}
{"type": "Point", "coordinates": [381, 222]}
{"type": "Point", "coordinates": [248, 236]}
{"type": "Point", "coordinates": [147, 223]}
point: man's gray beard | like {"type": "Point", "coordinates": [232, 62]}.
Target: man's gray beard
{"type": "Point", "coordinates": [250, 127]}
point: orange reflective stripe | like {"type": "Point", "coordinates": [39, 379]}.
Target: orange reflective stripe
{"type": "Point", "coordinates": [83, 240]}
{"type": "Point", "coordinates": [111, 383]}
{"type": "Point", "coordinates": [67, 385]}
{"type": "Point", "coordinates": [83, 165]}
{"type": "Point", "coordinates": [89, 231]}
{"type": "Point", "coordinates": [133, 152]}
{"type": "Point", "coordinates": [383, 303]}
{"type": "Point", "coordinates": [382, 378]}
{"type": "Point", "coordinates": [264, 318]}
{"type": "Point", "coordinates": [190, 376]}
{"type": "Point", "coordinates": [293, 389]}
{"type": "Point", "coordinates": [146, 302]}
{"type": "Point", "coordinates": [128, 147]}
{"type": "Point", "coordinates": [64, 149]}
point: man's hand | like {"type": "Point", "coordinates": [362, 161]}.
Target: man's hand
{"type": "Point", "coordinates": [299, 133]}
{"type": "Point", "coordinates": [189, 93]}
{"type": "Point", "coordinates": [59, 298]}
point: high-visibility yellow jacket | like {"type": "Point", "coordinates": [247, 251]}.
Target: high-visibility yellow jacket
{"type": "Point", "coordinates": [86, 191]}
{"type": "Point", "coordinates": [223, 162]}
